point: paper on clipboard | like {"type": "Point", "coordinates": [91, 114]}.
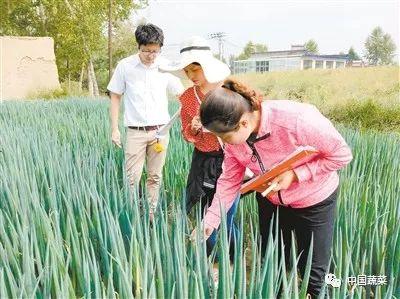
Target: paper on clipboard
{"type": "Point", "coordinates": [162, 132]}
{"type": "Point", "coordinates": [299, 157]}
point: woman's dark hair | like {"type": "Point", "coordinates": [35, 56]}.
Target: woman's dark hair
{"type": "Point", "coordinates": [149, 34]}
{"type": "Point", "coordinates": [223, 107]}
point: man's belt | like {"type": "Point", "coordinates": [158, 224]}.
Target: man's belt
{"type": "Point", "coordinates": [145, 128]}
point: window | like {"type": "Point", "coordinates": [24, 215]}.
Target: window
{"type": "Point", "coordinates": [307, 64]}
{"type": "Point", "coordinates": [262, 66]}
{"type": "Point", "coordinates": [329, 64]}
{"type": "Point", "coordinates": [292, 63]}
{"type": "Point", "coordinates": [319, 64]}
{"type": "Point", "coordinates": [339, 64]}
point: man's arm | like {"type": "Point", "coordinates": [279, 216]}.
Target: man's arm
{"type": "Point", "coordinates": [116, 88]}
{"type": "Point", "coordinates": [114, 113]}
{"type": "Point", "coordinates": [175, 86]}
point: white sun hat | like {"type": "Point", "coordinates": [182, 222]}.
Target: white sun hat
{"type": "Point", "coordinates": [196, 49]}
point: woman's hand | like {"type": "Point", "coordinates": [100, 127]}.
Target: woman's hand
{"type": "Point", "coordinates": [196, 124]}
{"type": "Point", "coordinates": [283, 181]}
{"type": "Point", "coordinates": [207, 231]}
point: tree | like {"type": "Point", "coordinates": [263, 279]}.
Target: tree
{"type": "Point", "coordinates": [251, 48]}
{"type": "Point", "coordinates": [123, 43]}
{"type": "Point", "coordinates": [90, 28]}
{"type": "Point", "coordinates": [77, 26]}
{"type": "Point", "coordinates": [20, 18]}
{"type": "Point", "coordinates": [259, 48]}
{"type": "Point", "coordinates": [353, 54]}
{"type": "Point", "coordinates": [231, 59]}
{"type": "Point", "coordinates": [379, 48]}
{"type": "Point", "coordinates": [311, 46]}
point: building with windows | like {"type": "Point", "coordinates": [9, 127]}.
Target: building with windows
{"type": "Point", "coordinates": [297, 58]}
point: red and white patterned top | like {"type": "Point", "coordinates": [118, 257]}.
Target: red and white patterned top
{"type": "Point", "coordinates": [203, 141]}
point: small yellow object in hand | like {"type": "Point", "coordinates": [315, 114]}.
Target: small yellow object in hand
{"type": "Point", "coordinates": [158, 147]}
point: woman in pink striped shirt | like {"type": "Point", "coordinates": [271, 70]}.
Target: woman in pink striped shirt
{"type": "Point", "coordinates": [259, 134]}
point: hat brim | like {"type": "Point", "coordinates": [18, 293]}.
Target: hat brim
{"type": "Point", "coordinates": [214, 69]}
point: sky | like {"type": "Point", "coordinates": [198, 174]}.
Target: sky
{"type": "Point", "coordinates": [335, 25]}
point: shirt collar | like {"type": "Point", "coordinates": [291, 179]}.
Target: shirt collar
{"type": "Point", "coordinates": [265, 121]}
{"type": "Point", "coordinates": [136, 62]}
{"type": "Point", "coordinates": [264, 130]}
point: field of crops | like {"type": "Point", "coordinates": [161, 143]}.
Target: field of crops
{"type": "Point", "coordinates": [367, 98]}
{"type": "Point", "coordinates": [69, 227]}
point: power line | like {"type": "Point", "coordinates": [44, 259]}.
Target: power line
{"type": "Point", "coordinates": [220, 37]}
{"type": "Point", "coordinates": [233, 44]}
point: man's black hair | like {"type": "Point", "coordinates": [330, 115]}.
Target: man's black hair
{"type": "Point", "coordinates": [149, 34]}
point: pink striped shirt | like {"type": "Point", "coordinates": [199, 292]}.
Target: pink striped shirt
{"type": "Point", "coordinates": [291, 125]}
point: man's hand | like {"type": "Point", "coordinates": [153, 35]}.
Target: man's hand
{"type": "Point", "coordinates": [116, 138]}
{"type": "Point", "coordinates": [207, 231]}
{"type": "Point", "coordinates": [196, 124]}
{"type": "Point", "coordinates": [114, 111]}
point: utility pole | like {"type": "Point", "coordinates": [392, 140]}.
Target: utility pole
{"type": "Point", "coordinates": [220, 37]}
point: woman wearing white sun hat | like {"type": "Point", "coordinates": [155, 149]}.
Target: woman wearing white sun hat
{"type": "Point", "coordinates": [206, 72]}
{"type": "Point", "coordinates": [197, 49]}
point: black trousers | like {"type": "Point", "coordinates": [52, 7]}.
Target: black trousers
{"type": "Point", "coordinates": [316, 221]}
{"type": "Point", "coordinates": [205, 170]}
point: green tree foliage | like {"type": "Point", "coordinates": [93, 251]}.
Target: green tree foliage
{"type": "Point", "coordinates": [123, 44]}
{"type": "Point", "coordinates": [311, 46]}
{"type": "Point", "coordinates": [379, 48]}
{"type": "Point", "coordinates": [353, 54]}
{"type": "Point", "coordinates": [251, 48]}
{"type": "Point", "coordinates": [78, 27]}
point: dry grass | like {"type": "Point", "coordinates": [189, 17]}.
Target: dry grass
{"type": "Point", "coordinates": [342, 94]}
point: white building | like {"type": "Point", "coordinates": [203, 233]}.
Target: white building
{"type": "Point", "coordinates": [295, 59]}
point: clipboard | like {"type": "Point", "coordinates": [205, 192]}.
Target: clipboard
{"type": "Point", "coordinates": [163, 131]}
{"type": "Point", "coordinates": [299, 157]}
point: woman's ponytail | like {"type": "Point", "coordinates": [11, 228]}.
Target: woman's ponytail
{"type": "Point", "coordinates": [252, 96]}
{"type": "Point", "coordinates": [223, 107]}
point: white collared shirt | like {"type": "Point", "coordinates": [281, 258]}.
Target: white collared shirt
{"type": "Point", "coordinates": [144, 90]}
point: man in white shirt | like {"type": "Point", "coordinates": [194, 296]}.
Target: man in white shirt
{"type": "Point", "coordinates": [144, 89]}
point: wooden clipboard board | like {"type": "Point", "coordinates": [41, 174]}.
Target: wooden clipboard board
{"type": "Point", "coordinates": [297, 158]}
